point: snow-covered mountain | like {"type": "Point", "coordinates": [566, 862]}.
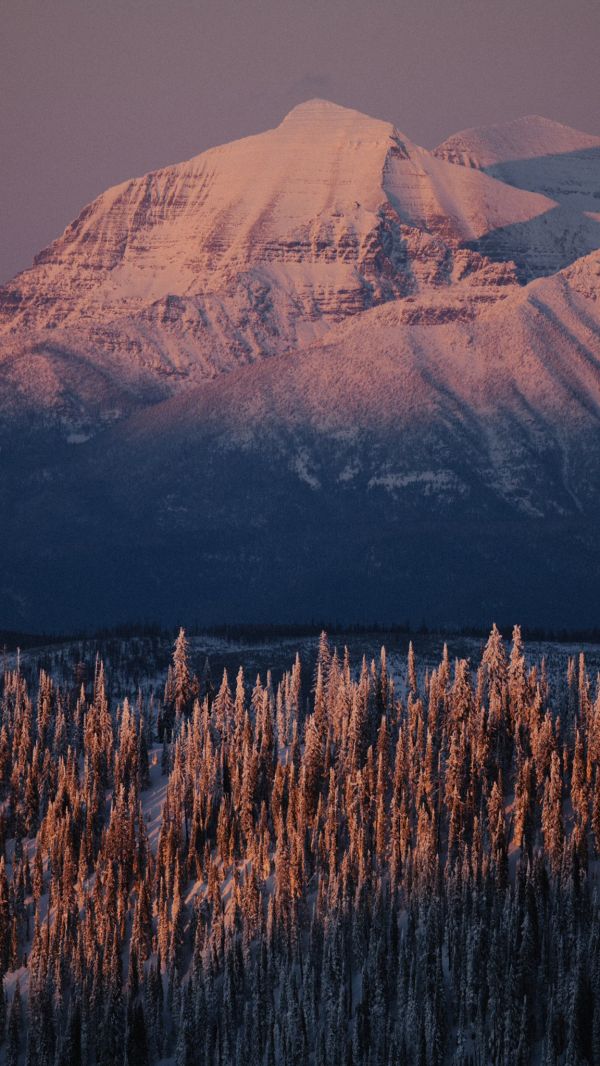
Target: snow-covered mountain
{"type": "Point", "coordinates": [536, 154]}
{"type": "Point", "coordinates": [304, 370]}
{"type": "Point", "coordinates": [257, 247]}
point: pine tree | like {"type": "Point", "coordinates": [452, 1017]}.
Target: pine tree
{"type": "Point", "coordinates": [182, 682]}
{"type": "Point", "coordinates": [552, 824]}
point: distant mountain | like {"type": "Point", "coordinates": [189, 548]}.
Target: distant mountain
{"type": "Point", "coordinates": [529, 137]}
{"type": "Point", "coordinates": [536, 154]}
{"type": "Point", "coordinates": [317, 369]}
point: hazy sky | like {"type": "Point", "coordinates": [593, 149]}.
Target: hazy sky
{"type": "Point", "coordinates": [96, 91]}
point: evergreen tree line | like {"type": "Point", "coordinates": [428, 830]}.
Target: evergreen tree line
{"type": "Point", "coordinates": [352, 871]}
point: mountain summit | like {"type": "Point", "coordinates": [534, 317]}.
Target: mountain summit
{"type": "Point", "coordinates": [529, 137]}
{"type": "Point", "coordinates": [329, 319]}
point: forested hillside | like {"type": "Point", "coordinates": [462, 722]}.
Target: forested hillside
{"type": "Point", "coordinates": [341, 864]}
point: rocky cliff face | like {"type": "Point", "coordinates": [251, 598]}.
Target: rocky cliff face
{"type": "Point", "coordinates": [322, 332]}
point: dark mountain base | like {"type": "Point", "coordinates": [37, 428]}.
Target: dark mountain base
{"type": "Point", "coordinates": [236, 538]}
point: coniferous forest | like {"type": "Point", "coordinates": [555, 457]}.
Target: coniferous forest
{"type": "Point", "coordinates": [346, 865]}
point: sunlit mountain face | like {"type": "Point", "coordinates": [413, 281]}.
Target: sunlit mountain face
{"type": "Point", "coordinates": [316, 372]}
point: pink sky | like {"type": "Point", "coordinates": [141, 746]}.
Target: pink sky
{"type": "Point", "coordinates": [92, 94]}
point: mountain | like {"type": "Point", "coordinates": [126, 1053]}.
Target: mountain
{"type": "Point", "coordinates": [254, 248]}
{"type": "Point", "coordinates": [529, 137]}
{"type": "Point", "coordinates": [320, 369]}
{"type": "Point", "coordinates": [535, 154]}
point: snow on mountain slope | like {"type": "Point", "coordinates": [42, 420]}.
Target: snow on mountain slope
{"type": "Point", "coordinates": [431, 195]}
{"type": "Point", "coordinates": [536, 154]}
{"type": "Point", "coordinates": [452, 465]}
{"type": "Point", "coordinates": [529, 137]}
{"type": "Point", "coordinates": [257, 247]}
{"type": "Point", "coordinates": [302, 201]}
{"type": "Point", "coordinates": [509, 400]}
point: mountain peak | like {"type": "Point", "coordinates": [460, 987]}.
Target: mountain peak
{"type": "Point", "coordinates": [324, 114]}
{"type": "Point", "coordinates": [526, 137]}
{"type": "Point", "coordinates": [316, 104]}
